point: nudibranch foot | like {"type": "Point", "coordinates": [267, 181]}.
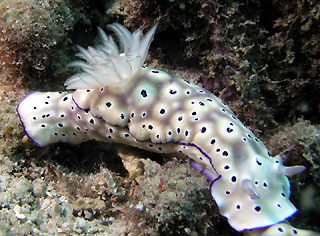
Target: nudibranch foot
{"type": "Point", "coordinates": [281, 229]}
{"type": "Point", "coordinates": [212, 176]}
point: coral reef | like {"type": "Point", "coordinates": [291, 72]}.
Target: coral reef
{"type": "Point", "coordinates": [259, 57]}
{"type": "Point", "coordinates": [30, 32]}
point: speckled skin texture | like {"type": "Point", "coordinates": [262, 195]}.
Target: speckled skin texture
{"type": "Point", "coordinates": [163, 109]}
{"type": "Point", "coordinates": [163, 113]}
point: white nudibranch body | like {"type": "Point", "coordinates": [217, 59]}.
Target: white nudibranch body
{"type": "Point", "coordinates": [118, 100]}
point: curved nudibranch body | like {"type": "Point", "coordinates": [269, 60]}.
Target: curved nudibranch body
{"type": "Point", "coordinates": [118, 100]}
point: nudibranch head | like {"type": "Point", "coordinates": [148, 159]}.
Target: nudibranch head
{"type": "Point", "coordinates": [255, 190]}
{"type": "Point", "coordinates": [107, 65]}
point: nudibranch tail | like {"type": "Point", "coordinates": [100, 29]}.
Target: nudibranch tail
{"type": "Point", "coordinates": [107, 65]}
{"type": "Point", "coordinates": [53, 117]}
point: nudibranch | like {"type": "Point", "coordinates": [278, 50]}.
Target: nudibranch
{"type": "Point", "coordinates": [117, 99]}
